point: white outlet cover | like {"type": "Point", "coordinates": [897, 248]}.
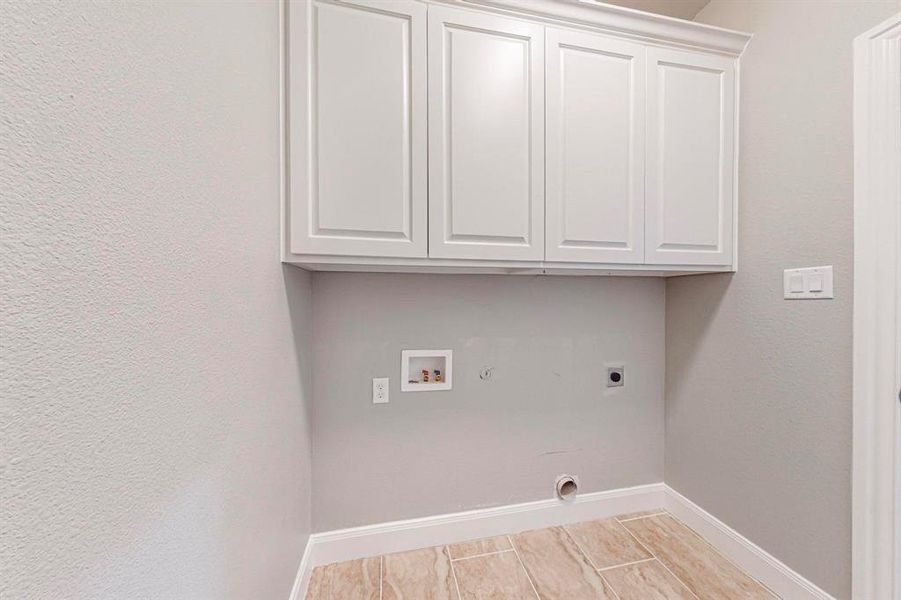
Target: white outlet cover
{"type": "Point", "coordinates": [810, 283]}
{"type": "Point", "coordinates": [380, 390]}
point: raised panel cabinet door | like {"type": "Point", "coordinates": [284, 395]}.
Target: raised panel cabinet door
{"type": "Point", "coordinates": [358, 121]}
{"type": "Point", "coordinates": [486, 136]}
{"type": "Point", "coordinates": [595, 149]}
{"type": "Point", "coordinates": [690, 159]}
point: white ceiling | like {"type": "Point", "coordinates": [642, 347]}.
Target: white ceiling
{"type": "Point", "coordinates": [682, 9]}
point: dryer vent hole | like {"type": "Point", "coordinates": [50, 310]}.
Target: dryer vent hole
{"type": "Point", "coordinates": [566, 487]}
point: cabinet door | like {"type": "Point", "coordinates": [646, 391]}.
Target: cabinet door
{"type": "Point", "coordinates": [690, 160]}
{"type": "Point", "coordinates": [357, 111]}
{"type": "Point", "coordinates": [486, 136]}
{"type": "Point", "coordinates": [595, 148]}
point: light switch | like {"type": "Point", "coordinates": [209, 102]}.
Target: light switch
{"type": "Point", "coordinates": [808, 284]}
{"type": "Point", "coordinates": [815, 282]}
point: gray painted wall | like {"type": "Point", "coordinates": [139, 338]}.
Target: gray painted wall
{"type": "Point", "coordinates": [152, 421]}
{"type": "Point", "coordinates": [758, 389]}
{"type": "Point", "coordinates": [542, 413]}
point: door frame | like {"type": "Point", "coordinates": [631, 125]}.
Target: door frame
{"type": "Point", "coordinates": [876, 551]}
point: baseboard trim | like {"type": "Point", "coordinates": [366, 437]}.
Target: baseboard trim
{"type": "Point", "coordinates": [302, 579]}
{"type": "Point", "coordinates": [753, 559]}
{"type": "Point", "coordinates": [398, 536]}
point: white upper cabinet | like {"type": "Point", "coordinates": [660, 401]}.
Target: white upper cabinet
{"type": "Point", "coordinates": [358, 128]}
{"type": "Point", "coordinates": [690, 166]}
{"type": "Point", "coordinates": [595, 148]}
{"type": "Point", "coordinates": [509, 137]}
{"type": "Point", "coordinates": [486, 136]}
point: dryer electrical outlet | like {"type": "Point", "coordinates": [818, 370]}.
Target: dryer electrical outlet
{"type": "Point", "coordinates": [616, 375]}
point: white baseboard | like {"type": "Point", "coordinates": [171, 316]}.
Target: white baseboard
{"type": "Point", "coordinates": [398, 536]}
{"type": "Point", "coordinates": [753, 559]}
{"type": "Point", "coordinates": [302, 579]}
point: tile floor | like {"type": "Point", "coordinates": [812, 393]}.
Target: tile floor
{"type": "Point", "coordinates": [641, 556]}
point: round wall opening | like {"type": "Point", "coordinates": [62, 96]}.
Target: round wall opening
{"type": "Point", "coordinates": [567, 486]}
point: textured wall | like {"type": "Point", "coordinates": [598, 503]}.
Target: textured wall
{"type": "Point", "coordinates": [542, 413]}
{"type": "Point", "coordinates": [152, 422]}
{"type": "Point", "coordinates": [758, 389]}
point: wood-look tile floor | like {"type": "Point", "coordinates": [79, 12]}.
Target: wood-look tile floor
{"type": "Point", "coordinates": [641, 556]}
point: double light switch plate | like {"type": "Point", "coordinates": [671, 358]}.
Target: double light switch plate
{"type": "Point", "coordinates": [808, 284]}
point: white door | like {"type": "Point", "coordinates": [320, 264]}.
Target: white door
{"type": "Point", "coordinates": [595, 149]}
{"type": "Point", "coordinates": [486, 136]}
{"type": "Point", "coordinates": [690, 167]}
{"type": "Point", "coordinates": [357, 111]}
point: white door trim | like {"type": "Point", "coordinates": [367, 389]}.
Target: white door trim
{"type": "Point", "coordinates": [877, 310]}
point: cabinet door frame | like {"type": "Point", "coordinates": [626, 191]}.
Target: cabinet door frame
{"type": "Point", "coordinates": [441, 244]}
{"type": "Point", "coordinates": [558, 246]}
{"type": "Point", "coordinates": [658, 251]}
{"type": "Point", "coordinates": [305, 235]}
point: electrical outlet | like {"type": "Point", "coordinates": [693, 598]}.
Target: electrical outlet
{"type": "Point", "coordinates": [380, 390]}
{"type": "Point", "coordinates": [616, 375]}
